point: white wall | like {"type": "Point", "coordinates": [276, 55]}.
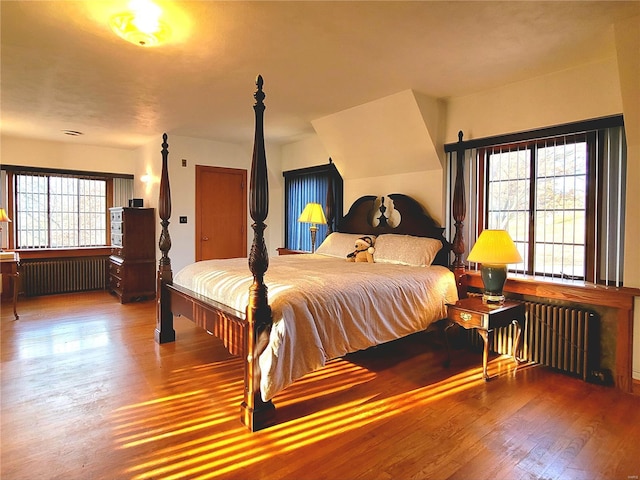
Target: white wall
{"type": "Point", "coordinates": [399, 133]}
{"type": "Point", "coordinates": [147, 161]}
{"type": "Point", "coordinates": [69, 156]}
{"type": "Point", "coordinates": [627, 37]}
{"type": "Point", "coordinates": [307, 152]}
{"type": "Point", "coordinates": [585, 92]}
{"type": "Point", "coordinates": [425, 186]}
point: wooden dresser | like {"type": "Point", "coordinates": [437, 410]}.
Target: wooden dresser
{"type": "Point", "coordinates": [132, 263]}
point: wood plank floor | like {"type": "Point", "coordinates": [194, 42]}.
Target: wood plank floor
{"type": "Point", "coordinates": [88, 394]}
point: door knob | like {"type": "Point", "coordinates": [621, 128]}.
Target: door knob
{"type": "Point", "coordinates": [204, 239]}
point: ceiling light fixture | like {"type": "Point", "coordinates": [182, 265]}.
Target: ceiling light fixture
{"type": "Point", "coordinates": [141, 25]}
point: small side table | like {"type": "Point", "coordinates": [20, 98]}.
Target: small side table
{"type": "Point", "coordinates": [472, 313]}
{"type": "Point", "coordinates": [9, 266]}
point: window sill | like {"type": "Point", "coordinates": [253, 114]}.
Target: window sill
{"type": "Point", "coordinates": [28, 253]}
{"type": "Point", "coordinates": [568, 290]}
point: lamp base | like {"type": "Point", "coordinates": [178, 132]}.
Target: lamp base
{"type": "Point", "coordinates": [492, 298]}
{"type": "Point", "coordinates": [493, 278]}
{"type": "Point", "coordinates": [313, 229]}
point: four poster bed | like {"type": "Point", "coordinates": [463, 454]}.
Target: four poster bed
{"type": "Point", "coordinates": [311, 307]}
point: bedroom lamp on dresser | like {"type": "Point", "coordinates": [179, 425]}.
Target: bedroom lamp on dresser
{"type": "Point", "coordinates": [133, 253]}
{"type": "Point", "coordinates": [314, 215]}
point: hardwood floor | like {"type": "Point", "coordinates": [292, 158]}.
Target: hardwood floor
{"type": "Point", "coordinates": [88, 394]}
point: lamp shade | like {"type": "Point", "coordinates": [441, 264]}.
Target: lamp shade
{"type": "Point", "coordinates": [313, 213]}
{"type": "Point", "coordinates": [3, 216]}
{"type": "Point", "coordinates": [494, 247]}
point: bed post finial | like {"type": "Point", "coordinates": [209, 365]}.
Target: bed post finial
{"type": "Point", "coordinates": [164, 318]}
{"type": "Point", "coordinates": [459, 214]}
{"type": "Point", "coordinates": [255, 413]}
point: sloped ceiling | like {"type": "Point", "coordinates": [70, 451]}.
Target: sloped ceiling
{"type": "Point", "coordinates": [397, 134]}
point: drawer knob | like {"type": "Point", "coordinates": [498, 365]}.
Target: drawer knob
{"type": "Point", "coordinates": [465, 316]}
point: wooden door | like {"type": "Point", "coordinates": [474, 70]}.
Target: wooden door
{"type": "Point", "coordinates": [221, 212]}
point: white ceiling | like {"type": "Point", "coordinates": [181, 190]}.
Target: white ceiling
{"type": "Point", "coordinates": [63, 69]}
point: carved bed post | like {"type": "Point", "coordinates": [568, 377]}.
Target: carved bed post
{"type": "Point", "coordinates": [255, 413]}
{"type": "Point", "coordinates": [164, 318]}
{"type": "Point", "coordinates": [459, 214]}
{"type": "Point", "coordinates": [330, 209]}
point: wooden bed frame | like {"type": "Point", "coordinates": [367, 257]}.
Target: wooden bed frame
{"type": "Point", "coordinates": [240, 331]}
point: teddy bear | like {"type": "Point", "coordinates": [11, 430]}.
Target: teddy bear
{"type": "Point", "coordinates": [363, 252]}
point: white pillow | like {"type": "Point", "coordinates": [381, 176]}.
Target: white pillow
{"type": "Point", "coordinates": [406, 250]}
{"type": "Point", "coordinates": [340, 244]}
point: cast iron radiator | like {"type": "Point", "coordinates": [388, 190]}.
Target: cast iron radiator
{"type": "Point", "coordinates": [64, 275]}
{"type": "Point", "coordinates": [560, 337]}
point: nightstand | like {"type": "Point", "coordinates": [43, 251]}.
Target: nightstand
{"type": "Point", "coordinates": [472, 313]}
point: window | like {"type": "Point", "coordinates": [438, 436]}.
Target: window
{"type": "Point", "coordinates": [310, 185]}
{"type": "Point", "coordinates": [59, 209]}
{"type": "Point", "coordinates": [537, 192]}
{"type": "Point", "coordinates": [559, 193]}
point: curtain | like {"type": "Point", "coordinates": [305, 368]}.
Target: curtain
{"type": "Point", "coordinates": [122, 191]}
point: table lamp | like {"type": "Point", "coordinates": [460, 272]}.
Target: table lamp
{"type": "Point", "coordinates": [314, 215]}
{"type": "Point", "coordinates": [494, 249]}
{"type": "Point", "coordinates": [3, 218]}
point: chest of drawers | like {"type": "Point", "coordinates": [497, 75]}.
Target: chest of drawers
{"type": "Point", "coordinates": [132, 263]}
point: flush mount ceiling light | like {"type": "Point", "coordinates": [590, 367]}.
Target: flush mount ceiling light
{"type": "Point", "coordinates": [141, 24]}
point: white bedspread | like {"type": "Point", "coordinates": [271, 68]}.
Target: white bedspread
{"type": "Point", "coordinates": [324, 307]}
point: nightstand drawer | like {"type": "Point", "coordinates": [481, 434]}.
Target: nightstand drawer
{"type": "Point", "coordinates": [468, 319]}
{"type": "Point", "coordinates": [115, 269]}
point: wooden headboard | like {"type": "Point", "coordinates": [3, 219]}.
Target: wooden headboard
{"type": "Point", "coordinates": [372, 215]}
